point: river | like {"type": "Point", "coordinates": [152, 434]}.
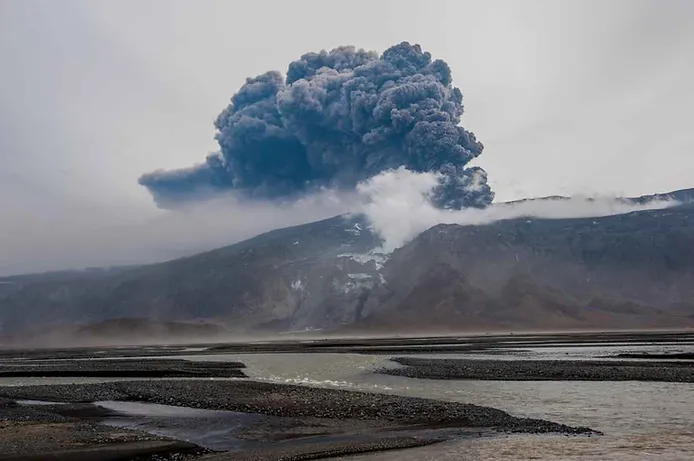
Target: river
{"type": "Point", "coordinates": [640, 420]}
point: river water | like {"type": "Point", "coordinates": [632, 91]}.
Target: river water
{"type": "Point", "coordinates": [640, 420]}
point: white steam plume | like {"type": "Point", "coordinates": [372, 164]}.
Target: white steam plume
{"type": "Point", "coordinates": [397, 204]}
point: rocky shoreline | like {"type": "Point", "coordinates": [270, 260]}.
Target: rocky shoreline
{"type": "Point", "coordinates": [538, 370]}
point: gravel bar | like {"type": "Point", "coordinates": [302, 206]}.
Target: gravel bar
{"type": "Point", "coordinates": [127, 368]}
{"type": "Point", "coordinates": [542, 370]}
{"type": "Point", "coordinates": [292, 401]}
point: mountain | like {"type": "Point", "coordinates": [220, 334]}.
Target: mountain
{"type": "Point", "coordinates": [634, 270]}
{"type": "Point", "coordinates": [626, 271]}
{"type": "Point", "coordinates": [302, 277]}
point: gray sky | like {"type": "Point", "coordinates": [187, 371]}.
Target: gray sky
{"type": "Point", "coordinates": [582, 96]}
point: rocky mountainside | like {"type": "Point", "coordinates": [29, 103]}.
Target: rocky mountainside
{"type": "Point", "coordinates": [628, 271]}
{"type": "Point", "coordinates": [310, 276]}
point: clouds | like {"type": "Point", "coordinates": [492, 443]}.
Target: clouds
{"type": "Point", "coordinates": [115, 101]}
{"type": "Point", "coordinates": [338, 118]}
{"type": "Point", "coordinates": [398, 204]}
{"type": "Point", "coordinates": [569, 97]}
{"type": "Point", "coordinates": [82, 235]}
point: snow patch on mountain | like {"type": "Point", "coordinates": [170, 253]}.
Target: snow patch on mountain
{"type": "Point", "coordinates": [298, 285]}
{"type": "Point", "coordinates": [375, 256]}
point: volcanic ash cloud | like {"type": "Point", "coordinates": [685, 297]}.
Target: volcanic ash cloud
{"type": "Point", "coordinates": [337, 118]}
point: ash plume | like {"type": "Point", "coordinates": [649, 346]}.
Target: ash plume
{"type": "Point", "coordinates": [337, 118]}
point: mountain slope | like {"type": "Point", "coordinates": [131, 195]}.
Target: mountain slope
{"type": "Point", "coordinates": [275, 281]}
{"type": "Point", "coordinates": [627, 271]}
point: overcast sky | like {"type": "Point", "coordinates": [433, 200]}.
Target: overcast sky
{"type": "Point", "coordinates": [568, 97]}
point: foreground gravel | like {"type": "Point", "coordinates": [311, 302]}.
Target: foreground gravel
{"type": "Point", "coordinates": [126, 368]}
{"type": "Point", "coordinates": [536, 370]}
{"type": "Point", "coordinates": [292, 401]}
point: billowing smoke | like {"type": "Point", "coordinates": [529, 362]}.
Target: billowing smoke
{"type": "Point", "coordinates": [336, 119]}
{"type": "Point", "coordinates": [399, 207]}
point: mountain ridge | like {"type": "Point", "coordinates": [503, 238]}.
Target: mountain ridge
{"type": "Point", "coordinates": [632, 270]}
{"type": "Point", "coordinates": [601, 276]}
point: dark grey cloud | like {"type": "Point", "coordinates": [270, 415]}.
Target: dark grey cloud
{"type": "Point", "coordinates": [568, 96]}
{"type": "Point", "coordinates": [338, 118]}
